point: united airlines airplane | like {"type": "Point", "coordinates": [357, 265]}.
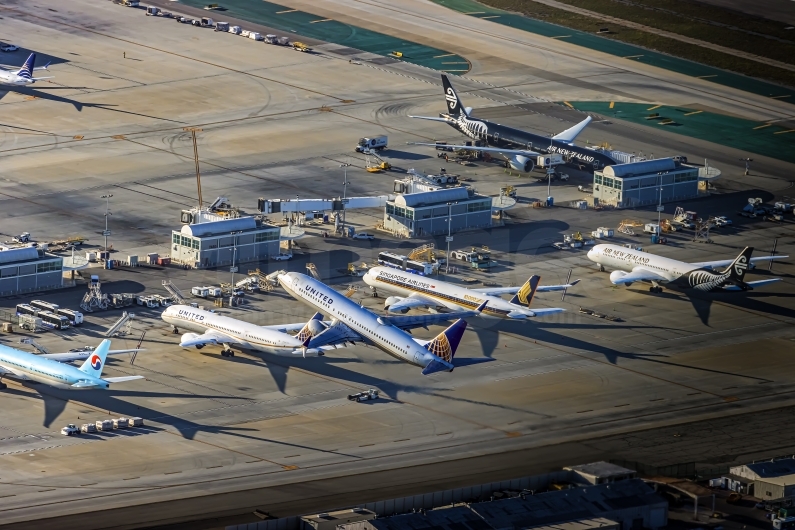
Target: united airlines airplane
{"type": "Point", "coordinates": [519, 148]}
{"type": "Point", "coordinates": [23, 76]}
{"type": "Point", "coordinates": [419, 291]}
{"type": "Point", "coordinates": [635, 266]}
{"type": "Point", "coordinates": [44, 368]}
{"type": "Point", "coordinates": [354, 323]}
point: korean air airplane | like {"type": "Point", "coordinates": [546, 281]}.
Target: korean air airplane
{"type": "Point", "coordinates": [410, 290]}
{"type": "Point", "coordinates": [23, 76]}
{"type": "Point", "coordinates": [354, 323]}
{"type": "Point", "coordinates": [50, 370]}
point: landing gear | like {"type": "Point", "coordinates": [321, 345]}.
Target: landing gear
{"type": "Point", "coordinates": [375, 292]}
{"type": "Point", "coordinates": [655, 289]}
{"type": "Point", "coordinates": [601, 267]}
{"type": "Point", "coordinates": [174, 330]}
{"type": "Point", "coordinates": [227, 352]}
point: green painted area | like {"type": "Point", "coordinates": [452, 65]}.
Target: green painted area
{"type": "Point", "coordinates": [746, 135]}
{"type": "Point", "coordinates": [305, 24]}
{"type": "Point", "coordinates": [613, 47]}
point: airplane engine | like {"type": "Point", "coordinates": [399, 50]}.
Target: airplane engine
{"type": "Point", "coordinates": [615, 276]}
{"type": "Point", "coordinates": [522, 163]}
{"type": "Point", "coordinates": [393, 300]}
{"type": "Point", "coordinates": [187, 341]}
{"type": "Point", "coordinates": [312, 352]}
{"type": "Point", "coordinates": [315, 327]}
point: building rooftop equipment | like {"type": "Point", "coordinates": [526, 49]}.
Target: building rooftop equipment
{"type": "Point", "coordinates": [640, 168]}
{"type": "Point", "coordinates": [225, 226]}
{"type": "Point", "coordinates": [601, 472]}
{"type": "Point", "coordinates": [432, 197]}
{"type": "Point", "coordinates": [582, 524]}
{"type": "Point", "coordinates": [444, 518]}
{"type": "Point", "coordinates": [12, 255]}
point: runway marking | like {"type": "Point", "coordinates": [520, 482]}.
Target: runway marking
{"type": "Point", "coordinates": [286, 11]}
{"type": "Point", "coordinates": [130, 478]}
{"type": "Point", "coordinates": [445, 55]}
{"type": "Point", "coordinates": [654, 107]}
{"type": "Point", "coordinates": [762, 126]}
{"type": "Point", "coordinates": [443, 433]}
{"type": "Point", "coordinates": [780, 97]}
{"type": "Point", "coordinates": [448, 70]}
{"type": "Point", "coordinates": [533, 374]}
{"type": "Point", "coordinates": [172, 472]}
{"type": "Point", "coordinates": [366, 445]}
{"type": "Point", "coordinates": [322, 20]}
{"type": "Point", "coordinates": [657, 399]}
{"type": "Point", "coordinates": [561, 37]}
{"type": "Point", "coordinates": [694, 112]}
{"type": "Point", "coordinates": [785, 132]}
{"type": "Point", "coordinates": [490, 16]}
{"type": "Point", "coordinates": [633, 56]}
{"type": "Point", "coordinates": [706, 76]}
{"type": "Point", "coordinates": [568, 104]}
{"type": "Point", "coordinates": [475, 13]}
{"type": "Point", "coordinates": [612, 104]}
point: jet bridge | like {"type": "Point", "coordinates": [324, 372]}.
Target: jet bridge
{"type": "Point", "coordinates": [272, 206]}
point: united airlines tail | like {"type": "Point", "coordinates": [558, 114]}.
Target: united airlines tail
{"type": "Point", "coordinates": [739, 266]}
{"type": "Point", "coordinates": [311, 328]}
{"type": "Point", "coordinates": [524, 296]}
{"type": "Point", "coordinates": [27, 69]}
{"type": "Point", "coordinates": [444, 346]}
{"type": "Point", "coordinates": [96, 361]}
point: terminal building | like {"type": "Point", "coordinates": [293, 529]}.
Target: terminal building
{"type": "Point", "coordinates": [426, 213]}
{"type": "Point", "coordinates": [222, 242]}
{"type": "Point", "coordinates": [28, 269]}
{"type": "Point", "coordinates": [638, 183]}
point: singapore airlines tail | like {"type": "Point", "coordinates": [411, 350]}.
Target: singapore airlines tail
{"type": "Point", "coordinates": [524, 296]}
{"type": "Point", "coordinates": [444, 347]}
{"type": "Point", "coordinates": [96, 361]}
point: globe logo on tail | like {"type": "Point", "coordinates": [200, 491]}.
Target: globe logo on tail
{"type": "Point", "coordinates": [96, 362]}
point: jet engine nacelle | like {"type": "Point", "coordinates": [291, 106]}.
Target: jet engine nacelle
{"type": "Point", "coordinates": [312, 352]}
{"type": "Point", "coordinates": [393, 300]}
{"type": "Point", "coordinates": [522, 163]}
{"type": "Point", "coordinates": [615, 278]}
{"type": "Point", "coordinates": [188, 340]}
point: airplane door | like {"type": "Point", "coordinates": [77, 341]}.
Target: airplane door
{"type": "Point", "coordinates": [496, 137]}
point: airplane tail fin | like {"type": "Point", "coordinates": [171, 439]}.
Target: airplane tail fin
{"type": "Point", "coordinates": [571, 133]}
{"type": "Point", "coordinates": [453, 103]}
{"type": "Point", "coordinates": [311, 328]}
{"type": "Point", "coordinates": [96, 361]}
{"type": "Point", "coordinates": [524, 296]}
{"type": "Point", "coordinates": [446, 343]}
{"type": "Point", "coordinates": [27, 69]}
{"type": "Point", "coordinates": [740, 265]}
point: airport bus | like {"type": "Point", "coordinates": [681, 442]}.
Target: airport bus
{"type": "Point", "coordinates": [396, 261]}
{"type": "Point", "coordinates": [45, 306]}
{"type": "Point", "coordinates": [25, 309]}
{"type": "Point", "coordinates": [75, 317]}
{"type": "Point", "coordinates": [54, 321]}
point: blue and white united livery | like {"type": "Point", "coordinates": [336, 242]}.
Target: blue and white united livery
{"type": "Point", "coordinates": [44, 368]}
{"type": "Point", "coordinates": [23, 76]}
{"type": "Point", "coordinates": [353, 323]}
{"type": "Point", "coordinates": [635, 266]}
{"type": "Point", "coordinates": [410, 290]}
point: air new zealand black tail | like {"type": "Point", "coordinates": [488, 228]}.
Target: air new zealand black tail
{"type": "Point", "coordinates": [739, 266]}
{"type": "Point", "coordinates": [453, 103]}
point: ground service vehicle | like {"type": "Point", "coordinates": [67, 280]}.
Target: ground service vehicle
{"type": "Point", "coordinates": [281, 257]}
{"type": "Point", "coordinates": [376, 143]}
{"type": "Point", "coordinates": [75, 317]}
{"type": "Point", "coordinates": [44, 306]}
{"type": "Point", "coordinates": [362, 235]}
{"type": "Point", "coordinates": [54, 321]}
{"type": "Point", "coordinates": [25, 309]}
{"type": "Point", "coordinates": [364, 396]}
{"type": "Point", "coordinates": [104, 425]}
{"type": "Point", "coordinates": [8, 48]}
{"type": "Point", "coordinates": [88, 428]}
{"type": "Point", "coordinates": [70, 430]}
{"type": "Point", "coordinates": [398, 261]}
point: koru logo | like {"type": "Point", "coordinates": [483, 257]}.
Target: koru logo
{"type": "Point", "coordinates": [740, 265]}
{"type": "Point", "coordinates": [451, 99]}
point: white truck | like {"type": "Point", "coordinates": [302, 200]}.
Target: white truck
{"type": "Point", "coordinates": [651, 228]}
{"type": "Point", "coordinates": [376, 143]}
{"type": "Point", "coordinates": [70, 430]}
{"type": "Point", "coordinates": [364, 396]}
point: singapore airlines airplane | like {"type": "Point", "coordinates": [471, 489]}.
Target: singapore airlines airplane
{"type": "Point", "coordinates": [418, 291]}
{"type": "Point", "coordinates": [216, 329]}
{"type": "Point", "coordinates": [23, 76]}
{"type": "Point", "coordinates": [44, 368]}
{"type": "Point", "coordinates": [354, 323]}
{"type": "Point", "coordinates": [635, 266]}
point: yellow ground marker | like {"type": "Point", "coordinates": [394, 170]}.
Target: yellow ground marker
{"type": "Point", "coordinates": [694, 112]}
{"type": "Point", "coordinates": [785, 132]}
{"type": "Point", "coordinates": [286, 11]}
{"type": "Point", "coordinates": [561, 37]}
{"type": "Point", "coordinates": [665, 122]}
{"type": "Point", "coordinates": [612, 104]}
{"type": "Point", "coordinates": [706, 76]}
{"type": "Point", "coordinates": [654, 107]}
{"type": "Point", "coordinates": [445, 55]}
{"type": "Point", "coordinates": [780, 97]}
{"type": "Point", "coordinates": [323, 20]}
{"type": "Point", "coordinates": [568, 104]}
{"type": "Point", "coordinates": [490, 16]}
{"type": "Point", "coordinates": [632, 56]}
{"type": "Point", "coordinates": [763, 126]}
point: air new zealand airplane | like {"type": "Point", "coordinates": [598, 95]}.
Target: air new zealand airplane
{"type": "Point", "coordinates": [519, 148]}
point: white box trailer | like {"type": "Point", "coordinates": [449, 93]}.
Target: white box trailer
{"type": "Point", "coordinates": [121, 423]}
{"type": "Point", "coordinates": [136, 422]}
{"type": "Point", "coordinates": [376, 143]}
{"type": "Point", "coordinates": [104, 425]}
{"type": "Point", "coordinates": [222, 26]}
{"type": "Point", "coordinates": [235, 30]}
{"type": "Point", "coordinates": [255, 36]}
{"type": "Point", "coordinates": [549, 160]}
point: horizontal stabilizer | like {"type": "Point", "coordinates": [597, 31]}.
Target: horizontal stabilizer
{"type": "Point", "coordinates": [84, 384]}
{"type": "Point", "coordinates": [437, 366]}
{"type": "Point", "coordinates": [751, 285]}
{"type": "Point", "coordinates": [445, 120]}
{"type": "Point", "coordinates": [123, 378]}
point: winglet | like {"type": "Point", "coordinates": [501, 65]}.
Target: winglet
{"type": "Point", "coordinates": [570, 134]}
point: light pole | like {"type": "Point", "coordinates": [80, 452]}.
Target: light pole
{"type": "Point", "coordinates": [106, 233]}
{"type": "Point", "coordinates": [234, 254]}
{"type": "Point", "coordinates": [449, 238]}
{"type": "Point", "coordinates": [344, 194]}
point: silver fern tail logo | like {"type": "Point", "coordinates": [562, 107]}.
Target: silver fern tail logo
{"type": "Point", "coordinates": [452, 99]}
{"type": "Point", "coordinates": [740, 266]}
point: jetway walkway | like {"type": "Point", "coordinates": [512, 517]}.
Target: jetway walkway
{"type": "Point", "coordinates": [123, 326]}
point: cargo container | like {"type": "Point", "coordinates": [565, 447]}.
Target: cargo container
{"type": "Point", "coordinates": [88, 428]}
{"type": "Point", "coordinates": [104, 425]}
{"type": "Point", "coordinates": [121, 423]}
{"type": "Point", "coordinates": [136, 422]}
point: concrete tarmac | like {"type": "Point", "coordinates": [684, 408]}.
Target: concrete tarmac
{"type": "Point", "coordinates": [225, 436]}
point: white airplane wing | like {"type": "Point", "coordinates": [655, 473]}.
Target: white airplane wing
{"type": "Point", "coordinates": [415, 300]}
{"type": "Point", "coordinates": [638, 274]}
{"type": "Point", "coordinates": [208, 337]}
{"type": "Point", "coordinates": [284, 328]}
{"type": "Point", "coordinates": [571, 133]}
{"type": "Point", "coordinates": [123, 378]}
{"type": "Point", "coordinates": [498, 291]}
{"type": "Point", "coordinates": [445, 120]}
{"type": "Point", "coordinates": [500, 150]}
{"type": "Point", "coordinates": [81, 355]}
{"type": "Point", "coordinates": [726, 262]}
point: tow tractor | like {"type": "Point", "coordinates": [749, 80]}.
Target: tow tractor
{"type": "Point", "coordinates": [364, 396]}
{"type": "Point", "coordinates": [379, 163]}
{"type": "Point", "coordinates": [70, 430]}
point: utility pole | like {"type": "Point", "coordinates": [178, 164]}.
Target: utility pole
{"type": "Point", "coordinates": [106, 233]}
{"type": "Point", "coordinates": [193, 131]}
{"type": "Point", "coordinates": [234, 255]}
{"type": "Point", "coordinates": [659, 205]}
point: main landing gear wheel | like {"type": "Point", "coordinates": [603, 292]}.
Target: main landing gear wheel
{"type": "Point", "coordinates": [601, 268]}
{"type": "Point", "coordinates": [655, 289]}
{"type": "Point", "coordinates": [174, 330]}
{"type": "Point", "coordinates": [227, 353]}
